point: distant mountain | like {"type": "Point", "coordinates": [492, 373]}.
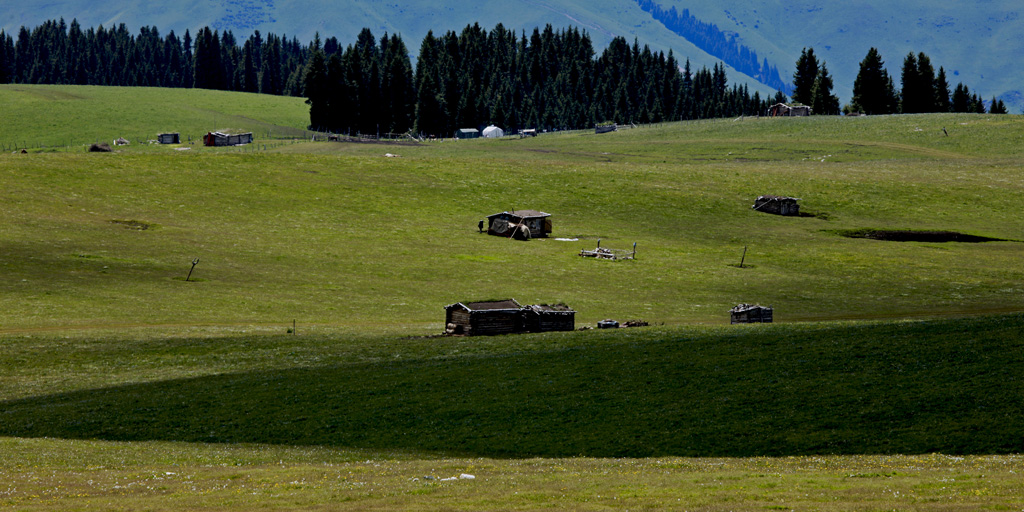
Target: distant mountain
{"type": "Point", "coordinates": [977, 41]}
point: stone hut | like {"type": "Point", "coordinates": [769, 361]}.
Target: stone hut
{"type": "Point", "coordinates": [226, 139]}
{"type": "Point", "coordinates": [750, 314]}
{"type": "Point", "coordinates": [544, 318]}
{"type": "Point", "coordinates": [168, 138]}
{"type": "Point", "coordinates": [778, 205]}
{"type": "Point", "coordinates": [783, 110]}
{"type": "Point", "coordinates": [521, 224]}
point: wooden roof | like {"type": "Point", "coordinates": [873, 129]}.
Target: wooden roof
{"type": "Point", "coordinates": [493, 305]}
{"type": "Point", "coordinates": [523, 214]}
{"type": "Point", "coordinates": [748, 307]}
{"type": "Point", "coordinates": [553, 308]}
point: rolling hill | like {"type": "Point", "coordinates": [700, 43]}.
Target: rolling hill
{"type": "Point", "coordinates": [890, 379]}
{"type": "Point", "coordinates": [974, 40]}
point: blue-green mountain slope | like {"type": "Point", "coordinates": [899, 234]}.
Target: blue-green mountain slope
{"type": "Point", "coordinates": [976, 41]}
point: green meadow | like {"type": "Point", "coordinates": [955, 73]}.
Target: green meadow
{"type": "Point", "coordinates": [890, 379]}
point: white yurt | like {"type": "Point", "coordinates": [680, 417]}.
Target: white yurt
{"type": "Point", "coordinates": [493, 132]}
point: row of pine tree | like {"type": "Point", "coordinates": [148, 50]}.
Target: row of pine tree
{"type": "Point", "coordinates": [549, 80]}
{"type": "Point", "coordinates": [58, 53]}
{"type": "Point", "coordinates": [874, 90]}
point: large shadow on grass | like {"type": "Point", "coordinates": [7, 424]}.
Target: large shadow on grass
{"type": "Point", "coordinates": [949, 386]}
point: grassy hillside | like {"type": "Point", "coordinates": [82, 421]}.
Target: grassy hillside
{"type": "Point", "coordinates": [60, 116]}
{"type": "Point", "coordinates": [338, 234]}
{"type": "Point", "coordinates": [122, 384]}
{"type": "Point", "coordinates": [949, 386]}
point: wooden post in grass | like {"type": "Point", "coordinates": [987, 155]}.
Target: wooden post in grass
{"type": "Point", "coordinates": [194, 263]}
{"type": "Point", "coordinates": [293, 327]}
{"type": "Point", "coordinates": [744, 257]}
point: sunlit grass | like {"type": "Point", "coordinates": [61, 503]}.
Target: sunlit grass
{"type": "Point", "coordinates": [127, 385]}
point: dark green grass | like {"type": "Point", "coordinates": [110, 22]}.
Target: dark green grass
{"type": "Point", "coordinates": [949, 386]}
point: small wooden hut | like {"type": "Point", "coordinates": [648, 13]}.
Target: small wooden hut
{"type": "Point", "coordinates": [483, 318]}
{"type": "Point", "coordinates": [783, 110]}
{"type": "Point", "coordinates": [778, 205]}
{"type": "Point", "coordinates": [544, 318]}
{"type": "Point", "coordinates": [605, 128]}
{"type": "Point", "coordinates": [226, 139]}
{"type": "Point", "coordinates": [521, 224]}
{"type": "Point", "coordinates": [750, 314]}
{"type": "Point", "coordinates": [168, 138]}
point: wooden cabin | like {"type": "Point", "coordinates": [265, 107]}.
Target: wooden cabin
{"type": "Point", "coordinates": [168, 138]}
{"type": "Point", "coordinates": [605, 128]}
{"type": "Point", "coordinates": [537, 224]}
{"type": "Point", "coordinates": [483, 318]}
{"type": "Point", "coordinates": [777, 205]}
{"type": "Point", "coordinates": [545, 318]}
{"type": "Point", "coordinates": [750, 314]}
{"type": "Point", "coordinates": [783, 110]}
{"type": "Point", "coordinates": [226, 139]}
{"type": "Point", "coordinates": [506, 317]}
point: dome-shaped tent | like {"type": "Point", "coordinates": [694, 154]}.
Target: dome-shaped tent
{"type": "Point", "coordinates": [493, 132]}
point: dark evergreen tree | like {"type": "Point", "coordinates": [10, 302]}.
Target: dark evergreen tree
{"type": "Point", "coordinates": [997, 106]}
{"type": "Point", "coordinates": [961, 101]}
{"type": "Point", "coordinates": [317, 88]}
{"type": "Point", "coordinates": [823, 101]}
{"type": "Point", "coordinates": [977, 104]}
{"type": "Point", "coordinates": [431, 108]}
{"type": "Point", "coordinates": [927, 84]}
{"type": "Point", "coordinates": [805, 76]}
{"type": "Point", "coordinates": [942, 101]}
{"type": "Point", "coordinates": [873, 90]}
{"type": "Point", "coordinates": [7, 58]}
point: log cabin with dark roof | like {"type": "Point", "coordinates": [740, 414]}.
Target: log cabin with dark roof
{"type": "Point", "coordinates": [506, 317]}
{"type": "Point", "coordinates": [511, 224]}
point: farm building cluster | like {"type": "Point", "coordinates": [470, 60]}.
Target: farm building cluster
{"type": "Point", "coordinates": [506, 317]}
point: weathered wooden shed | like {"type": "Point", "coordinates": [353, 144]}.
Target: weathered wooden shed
{"type": "Point", "coordinates": [605, 128]}
{"type": "Point", "coordinates": [783, 110]}
{"type": "Point", "coordinates": [168, 138]}
{"type": "Point", "coordinates": [511, 224]}
{"type": "Point", "coordinates": [750, 314]}
{"type": "Point", "coordinates": [484, 318]}
{"type": "Point", "coordinates": [226, 139]}
{"type": "Point", "coordinates": [778, 205]}
{"type": "Point", "coordinates": [544, 318]}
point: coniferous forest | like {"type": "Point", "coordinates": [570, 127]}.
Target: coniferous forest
{"type": "Point", "coordinates": [547, 80]}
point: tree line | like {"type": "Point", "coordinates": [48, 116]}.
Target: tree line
{"type": "Point", "coordinates": [922, 89]}
{"type": "Point", "coordinates": [549, 80]}
{"type": "Point", "coordinates": [58, 53]}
